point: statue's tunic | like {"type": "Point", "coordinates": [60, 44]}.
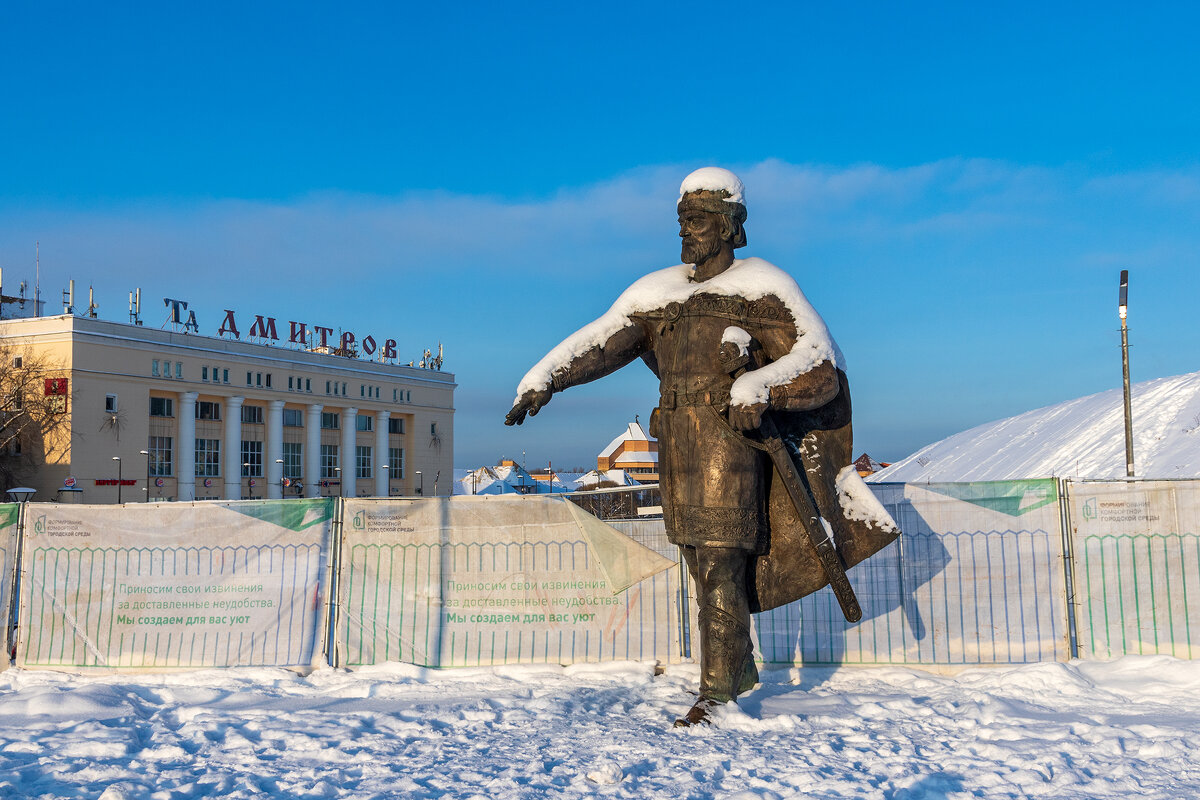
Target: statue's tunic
{"type": "Point", "coordinates": [713, 483]}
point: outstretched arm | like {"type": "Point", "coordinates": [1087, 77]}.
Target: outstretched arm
{"type": "Point", "coordinates": [535, 389]}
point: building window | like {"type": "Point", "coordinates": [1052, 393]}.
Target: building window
{"type": "Point", "coordinates": [396, 425]}
{"type": "Point", "coordinates": [308, 384]}
{"type": "Point", "coordinates": [154, 367]}
{"type": "Point", "coordinates": [252, 459]}
{"type": "Point", "coordinates": [206, 409]}
{"type": "Point", "coordinates": [208, 458]}
{"type": "Point", "coordinates": [258, 379]}
{"type": "Point", "coordinates": [160, 456]}
{"type": "Point", "coordinates": [362, 390]}
{"type": "Point", "coordinates": [326, 387]}
{"type": "Point", "coordinates": [396, 462]}
{"type": "Point", "coordinates": [364, 423]}
{"type": "Point", "coordinates": [433, 429]}
{"type": "Point", "coordinates": [225, 376]}
{"type": "Point", "coordinates": [204, 373]}
{"type": "Point", "coordinates": [329, 460]}
{"type": "Point", "coordinates": [268, 380]}
{"type": "Point", "coordinates": [362, 461]}
{"type": "Point", "coordinates": [249, 378]}
{"type": "Point", "coordinates": [216, 378]}
{"type": "Point", "coordinates": [178, 369]}
{"type": "Point", "coordinates": [293, 458]}
{"type": "Point", "coordinates": [161, 407]}
{"type": "Point", "coordinates": [291, 382]}
{"type": "Point", "coordinates": [330, 420]}
{"type": "Point", "coordinates": [293, 418]}
{"type": "Point", "coordinates": [110, 403]}
{"type": "Point", "coordinates": [252, 415]}
{"type": "Point", "coordinates": [343, 388]}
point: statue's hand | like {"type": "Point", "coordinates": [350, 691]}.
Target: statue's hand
{"type": "Point", "coordinates": [746, 418]}
{"type": "Point", "coordinates": [529, 403]}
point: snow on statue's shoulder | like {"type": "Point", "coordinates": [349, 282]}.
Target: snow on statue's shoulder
{"type": "Point", "coordinates": [751, 278]}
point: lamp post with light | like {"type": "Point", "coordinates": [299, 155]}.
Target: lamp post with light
{"type": "Point", "coordinates": [338, 473]}
{"type": "Point", "coordinates": [146, 453]}
{"type": "Point", "coordinates": [249, 480]}
{"type": "Point", "coordinates": [282, 493]}
{"type": "Point", "coordinates": [421, 478]}
{"type": "Point", "coordinates": [387, 479]}
{"type": "Point", "coordinates": [118, 460]}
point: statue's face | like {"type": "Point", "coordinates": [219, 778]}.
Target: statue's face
{"type": "Point", "coordinates": [702, 234]}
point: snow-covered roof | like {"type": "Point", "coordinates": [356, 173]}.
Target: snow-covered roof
{"type": "Point", "coordinates": [618, 476]}
{"type": "Point", "coordinates": [1082, 438]}
{"type": "Point", "coordinates": [636, 457]}
{"type": "Point", "coordinates": [633, 433]}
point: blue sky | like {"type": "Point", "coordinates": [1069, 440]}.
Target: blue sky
{"type": "Point", "coordinates": [956, 188]}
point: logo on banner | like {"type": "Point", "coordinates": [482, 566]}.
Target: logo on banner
{"type": "Point", "coordinates": [1089, 509]}
{"type": "Point", "coordinates": [207, 482]}
{"type": "Point", "coordinates": [159, 482]}
{"type": "Point", "coordinates": [360, 521]}
{"type": "Point", "coordinates": [39, 525]}
{"type": "Point", "coordinates": [69, 482]}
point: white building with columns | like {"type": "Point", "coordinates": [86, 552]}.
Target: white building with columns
{"type": "Point", "coordinates": [153, 414]}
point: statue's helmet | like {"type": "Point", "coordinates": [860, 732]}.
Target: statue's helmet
{"type": "Point", "coordinates": [718, 191]}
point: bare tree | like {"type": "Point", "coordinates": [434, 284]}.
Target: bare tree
{"type": "Point", "coordinates": [33, 412]}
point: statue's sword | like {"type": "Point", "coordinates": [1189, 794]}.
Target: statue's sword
{"type": "Point", "coordinates": [810, 520]}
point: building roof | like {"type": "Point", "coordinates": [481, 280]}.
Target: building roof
{"type": "Point", "coordinates": [633, 433]}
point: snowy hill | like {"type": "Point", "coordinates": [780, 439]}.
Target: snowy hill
{"type": "Point", "coordinates": [1079, 438]}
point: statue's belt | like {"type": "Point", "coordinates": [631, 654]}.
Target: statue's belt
{"type": "Point", "coordinates": [669, 399]}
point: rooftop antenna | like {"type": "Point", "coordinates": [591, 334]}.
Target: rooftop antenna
{"type": "Point", "coordinates": [92, 307]}
{"type": "Point", "coordinates": [37, 278]}
{"type": "Point", "coordinates": [22, 295]}
{"type": "Point", "coordinates": [69, 298]}
{"type": "Point", "coordinates": [135, 306]}
{"type": "Point", "coordinates": [1123, 310]}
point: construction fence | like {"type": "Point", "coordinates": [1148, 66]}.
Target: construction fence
{"type": "Point", "coordinates": [986, 573]}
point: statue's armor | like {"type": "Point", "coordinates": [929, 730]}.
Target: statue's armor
{"type": "Point", "coordinates": [713, 483]}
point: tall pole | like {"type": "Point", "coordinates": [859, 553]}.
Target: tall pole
{"type": "Point", "coordinates": [146, 453]}
{"type": "Point", "coordinates": [118, 460]}
{"type": "Point", "coordinates": [1122, 309]}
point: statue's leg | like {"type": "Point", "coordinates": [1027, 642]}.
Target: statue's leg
{"type": "Point", "coordinates": [724, 622]}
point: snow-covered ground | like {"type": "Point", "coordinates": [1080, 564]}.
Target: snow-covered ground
{"type": "Point", "coordinates": [1082, 438]}
{"type": "Point", "coordinates": [1129, 728]}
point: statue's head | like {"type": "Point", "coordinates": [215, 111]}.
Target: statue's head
{"type": "Point", "coordinates": [712, 213]}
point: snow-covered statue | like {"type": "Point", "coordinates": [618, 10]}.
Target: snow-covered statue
{"type": "Point", "coordinates": [753, 424]}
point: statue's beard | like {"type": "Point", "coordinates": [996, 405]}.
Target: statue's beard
{"type": "Point", "coordinates": [696, 250]}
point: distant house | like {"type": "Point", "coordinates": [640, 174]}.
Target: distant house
{"type": "Point", "coordinates": [633, 452]}
{"type": "Point", "coordinates": [867, 465]}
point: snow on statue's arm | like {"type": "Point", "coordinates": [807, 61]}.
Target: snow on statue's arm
{"type": "Point", "coordinates": [804, 362]}
{"type": "Point", "coordinates": [600, 347]}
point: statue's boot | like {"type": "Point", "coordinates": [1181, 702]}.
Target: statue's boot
{"type": "Point", "coordinates": [726, 663]}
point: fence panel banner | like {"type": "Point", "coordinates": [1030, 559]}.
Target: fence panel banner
{"type": "Point", "coordinates": [164, 585]}
{"type": "Point", "coordinates": [976, 578]}
{"type": "Point", "coordinates": [1137, 567]}
{"type": "Point", "coordinates": [9, 514]}
{"type": "Point", "coordinates": [477, 580]}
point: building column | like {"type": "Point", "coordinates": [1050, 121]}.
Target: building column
{"type": "Point", "coordinates": [185, 449]}
{"type": "Point", "coordinates": [233, 447]}
{"type": "Point", "coordinates": [382, 476]}
{"type": "Point", "coordinates": [274, 449]}
{"type": "Point", "coordinates": [348, 465]}
{"type": "Point", "coordinates": [312, 451]}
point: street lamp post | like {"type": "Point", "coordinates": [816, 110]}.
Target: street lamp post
{"type": "Point", "coordinates": [338, 473]}
{"type": "Point", "coordinates": [249, 480]}
{"type": "Point", "coordinates": [282, 493]}
{"type": "Point", "coordinates": [421, 478]}
{"type": "Point", "coordinates": [387, 478]}
{"type": "Point", "coordinates": [118, 460]}
{"type": "Point", "coordinates": [1123, 311]}
{"type": "Point", "coordinates": [146, 453]}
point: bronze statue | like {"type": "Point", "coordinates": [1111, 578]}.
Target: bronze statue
{"type": "Point", "coordinates": [753, 424]}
